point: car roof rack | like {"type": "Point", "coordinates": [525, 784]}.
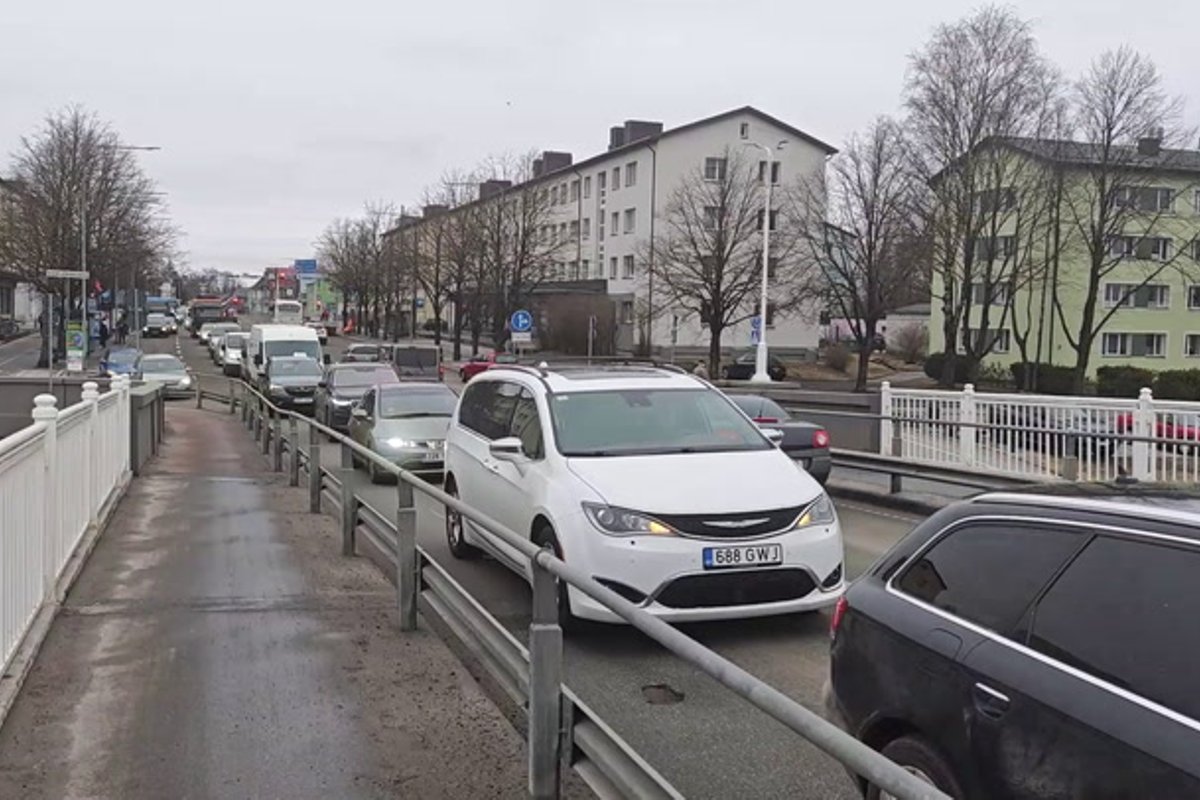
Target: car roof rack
{"type": "Point", "coordinates": [596, 362]}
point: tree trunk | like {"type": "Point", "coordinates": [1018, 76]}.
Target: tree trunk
{"type": "Point", "coordinates": [437, 325]}
{"type": "Point", "coordinates": [864, 358]}
{"type": "Point", "coordinates": [458, 321]}
{"type": "Point", "coordinates": [714, 352]}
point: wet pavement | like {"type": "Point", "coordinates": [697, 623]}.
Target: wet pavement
{"type": "Point", "coordinates": [217, 646]}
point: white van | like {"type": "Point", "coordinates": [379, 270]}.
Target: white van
{"type": "Point", "coordinates": [288, 312]}
{"type": "Point", "coordinates": [269, 340]}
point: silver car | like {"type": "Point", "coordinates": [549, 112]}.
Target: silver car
{"type": "Point", "coordinates": [405, 423]}
{"type": "Point", "coordinates": [168, 371]}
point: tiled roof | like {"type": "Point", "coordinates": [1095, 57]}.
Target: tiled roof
{"type": "Point", "coordinates": [1086, 154]}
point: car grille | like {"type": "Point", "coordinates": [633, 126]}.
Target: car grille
{"type": "Point", "coordinates": [301, 391]}
{"type": "Point", "coordinates": [732, 526]}
{"type": "Point", "coordinates": [741, 588]}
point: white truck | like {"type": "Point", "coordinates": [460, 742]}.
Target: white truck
{"type": "Point", "coordinates": [269, 340]}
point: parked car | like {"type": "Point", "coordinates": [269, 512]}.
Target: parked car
{"type": "Point", "coordinates": [291, 381]}
{"type": "Point", "coordinates": [168, 371]}
{"type": "Point", "coordinates": [469, 369]}
{"type": "Point", "coordinates": [342, 386]}
{"type": "Point", "coordinates": [742, 368]}
{"type": "Point", "coordinates": [159, 325]}
{"type": "Point", "coordinates": [805, 442]}
{"type": "Point", "coordinates": [406, 424]}
{"type": "Point", "coordinates": [319, 327]}
{"type": "Point", "coordinates": [119, 360]}
{"type": "Point", "coordinates": [1172, 426]}
{"type": "Point", "coordinates": [1058, 430]}
{"type": "Point", "coordinates": [361, 352]}
{"type": "Point", "coordinates": [233, 347]}
{"type": "Point", "coordinates": [632, 473]}
{"type": "Point", "coordinates": [1035, 644]}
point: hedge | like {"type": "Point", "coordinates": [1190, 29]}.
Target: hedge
{"type": "Point", "coordinates": [933, 367]}
{"type": "Point", "coordinates": [1177, 384]}
{"type": "Point", "coordinates": [1049, 378]}
{"type": "Point", "coordinates": [1123, 381]}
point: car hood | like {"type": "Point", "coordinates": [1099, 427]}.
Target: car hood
{"type": "Point", "coordinates": [349, 392]}
{"type": "Point", "coordinates": [420, 429]}
{"type": "Point", "coordinates": [294, 380]}
{"type": "Point", "coordinates": [165, 377]}
{"type": "Point", "coordinates": [698, 483]}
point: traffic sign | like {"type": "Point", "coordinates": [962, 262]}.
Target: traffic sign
{"type": "Point", "coordinates": [755, 329]}
{"type": "Point", "coordinates": [522, 337]}
{"type": "Point", "coordinates": [521, 321]}
{"type": "Point", "coordinates": [76, 274]}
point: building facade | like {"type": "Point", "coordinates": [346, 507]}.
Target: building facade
{"type": "Point", "coordinates": [602, 212]}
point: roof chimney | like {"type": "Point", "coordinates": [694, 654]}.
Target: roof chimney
{"type": "Point", "coordinates": [492, 188]}
{"type": "Point", "coordinates": [1150, 144]}
{"type": "Point", "coordinates": [554, 160]}
{"type": "Point", "coordinates": [616, 137]}
{"type": "Point", "coordinates": [637, 129]}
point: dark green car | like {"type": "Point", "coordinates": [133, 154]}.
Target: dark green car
{"type": "Point", "coordinates": [405, 423]}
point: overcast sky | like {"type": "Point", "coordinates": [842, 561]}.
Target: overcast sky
{"type": "Point", "coordinates": [275, 117]}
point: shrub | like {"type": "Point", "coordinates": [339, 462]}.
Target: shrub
{"type": "Point", "coordinates": [1122, 381]}
{"type": "Point", "coordinates": [935, 361]}
{"type": "Point", "coordinates": [837, 356]}
{"type": "Point", "coordinates": [1177, 384]}
{"type": "Point", "coordinates": [1049, 378]}
{"type": "Point", "coordinates": [993, 375]}
{"type": "Point", "coordinates": [911, 342]}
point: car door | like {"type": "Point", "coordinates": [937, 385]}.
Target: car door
{"type": "Point", "coordinates": [492, 487]}
{"type": "Point", "coordinates": [521, 485]}
{"type": "Point", "coordinates": [360, 425]}
{"type": "Point", "coordinates": [467, 451]}
{"type": "Point", "coordinates": [1099, 700]}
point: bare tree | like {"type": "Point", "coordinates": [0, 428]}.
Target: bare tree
{"type": "Point", "coordinates": [462, 247]}
{"type": "Point", "coordinates": [709, 249]}
{"type": "Point", "coordinates": [356, 257]}
{"type": "Point", "coordinates": [975, 80]}
{"type": "Point", "coordinates": [1118, 205]}
{"type": "Point", "coordinates": [854, 230]}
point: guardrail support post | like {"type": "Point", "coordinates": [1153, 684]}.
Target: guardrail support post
{"type": "Point", "coordinates": [293, 452]}
{"type": "Point", "coordinates": [1143, 427]}
{"type": "Point", "coordinates": [245, 408]}
{"type": "Point", "coordinates": [232, 396]}
{"type": "Point", "coordinates": [277, 435]}
{"type": "Point", "coordinates": [265, 428]}
{"type": "Point", "coordinates": [408, 569]}
{"type": "Point", "coordinates": [545, 685]}
{"type": "Point", "coordinates": [44, 411]}
{"type": "Point", "coordinates": [256, 422]}
{"type": "Point", "coordinates": [199, 394]}
{"type": "Point", "coordinates": [887, 432]}
{"type": "Point", "coordinates": [349, 511]}
{"type": "Point", "coordinates": [91, 394]}
{"type": "Point", "coordinates": [967, 431]}
{"type": "Point", "coordinates": [347, 457]}
{"type": "Point", "coordinates": [314, 470]}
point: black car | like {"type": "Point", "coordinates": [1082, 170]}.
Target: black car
{"type": "Point", "coordinates": [1040, 644]}
{"type": "Point", "coordinates": [805, 442]}
{"type": "Point", "coordinates": [344, 384]}
{"type": "Point", "coordinates": [291, 382]}
{"type": "Point", "coordinates": [742, 368]}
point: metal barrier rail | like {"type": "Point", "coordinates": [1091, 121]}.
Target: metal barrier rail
{"type": "Point", "coordinates": [899, 469]}
{"type": "Point", "coordinates": [562, 731]}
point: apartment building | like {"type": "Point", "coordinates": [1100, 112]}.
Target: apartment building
{"type": "Point", "coordinates": [605, 208]}
{"type": "Point", "coordinates": [1150, 265]}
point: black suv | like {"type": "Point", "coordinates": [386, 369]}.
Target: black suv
{"type": "Point", "coordinates": [1042, 644]}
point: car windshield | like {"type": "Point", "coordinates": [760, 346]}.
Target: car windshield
{"type": "Point", "coordinates": [350, 378]}
{"type": "Point", "coordinates": [162, 364]}
{"type": "Point", "coordinates": [156, 319]}
{"type": "Point", "coordinates": [123, 356]}
{"type": "Point", "coordinates": [402, 402]}
{"type": "Point", "coordinates": [293, 347]}
{"type": "Point", "coordinates": [416, 357]}
{"type": "Point", "coordinates": [295, 367]}
{"type": "Point", "coordinates": [236, 341]}
{"type": "Point", "coordinates": [226, 327]}
{"type": "Point", "coordinates": [650, 422]}
{"type": "Point", "coordinates": [364, 349]}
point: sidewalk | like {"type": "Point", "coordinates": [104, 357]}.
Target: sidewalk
{"type": "Point", "coordinates": [217, 645]}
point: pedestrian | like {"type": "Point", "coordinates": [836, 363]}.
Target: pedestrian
{"type": "Point", "coordinates": [122, 330]}
{"type": "Point", "coordinates": [700, 370]}
{"type": "Point", "coordinates": [103, 334]}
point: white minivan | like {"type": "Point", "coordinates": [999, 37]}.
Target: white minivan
{"type": "Point", "coordinates": [649, 480]}
{"type": "Point", "coordinates": [269, 340]}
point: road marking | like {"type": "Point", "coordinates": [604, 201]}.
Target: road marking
{"type": "Point", "coordinates": [866, 509]}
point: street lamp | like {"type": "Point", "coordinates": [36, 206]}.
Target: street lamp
{"type": "Point", "coordinates": [761, 375]}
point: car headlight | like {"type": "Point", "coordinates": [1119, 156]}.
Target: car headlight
{"type": "Point", "coordinates": [341, 403]}
{"type": "Point", "coordinates": [623, 522]}
{"type": "Point", "coordinates": [186, 381]}
{"type": "Point", "coordinates": [819, 512]}
{"type": "Point", "coordinates": [397, 443]}
{"type": "Point", "coordinates": [275, 388]}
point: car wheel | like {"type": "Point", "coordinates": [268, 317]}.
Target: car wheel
{"type": "Point", "coordinates": [921, 759]}
{"type": "Point", "coordinates": [462, 375]}
{"type": "Point", "coordinates": [545, 536]}
{"type": "Point", "coordinates": [455, 537]}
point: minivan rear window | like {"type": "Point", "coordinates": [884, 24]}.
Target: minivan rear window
{"type": "Point", "coordinates": [418, 357]}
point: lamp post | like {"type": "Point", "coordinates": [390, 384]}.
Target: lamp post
{"type": "Point", "coordinates": [761, 360]}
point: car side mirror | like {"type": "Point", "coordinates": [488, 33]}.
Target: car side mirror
{"type": "Point", "coordinates": [508, 448]}
{"type": "Point", "coordinates": [774, 435]}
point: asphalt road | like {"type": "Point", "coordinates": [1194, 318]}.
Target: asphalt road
{"type": "Point", "coordinates": [711, 743]}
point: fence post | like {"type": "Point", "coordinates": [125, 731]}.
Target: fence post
{"type": "Point", "coordinates": [245, 407]}
{"type": "Point", "coordinates": [199, 393]}
{"type": "Point", "coordinates": [314, 470]}
{"type": "Point", "coordinates": [885, 419]}
{"type": "Point", "coordinates": [256, 418]}
{"type": "Point", "coordinates": [293, 452]}
{"type": "Point", "coordinates": [91, 395]}
{"type": "Point", "coordinates": [265, 427]}
{"type": "Point", "coordinates": [966, 430]}
{"type": "Point", "coordinates": [408, 569]}
{"type": "Point", "coordinates": [349, 510]}
{"type": "Point", "coordinates": [44, 411]}
{"type": "Point", "coordinates": [1143, 426]}
{"type": "Point", "coordinates": [545, 683]}
{"type": "Point", "coordinates": [232, 398]}
{"type": "Point", "coordinates": [124, 411]}
{"type": "Point", "coordinates": [277, 435]}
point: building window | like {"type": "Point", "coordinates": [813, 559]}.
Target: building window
{"type": "Point", "coordinates": [585, 269]}
{"type": "Point", "coordinates": [574, 191]}
{"type": "Point", "coordinates": [601, 177]}
{"type": "Point", "coordinates": [587, 228]}
{"type": "Point", "coordinates": [990, 250]}
{"type": "Point", "coordinates": [1193, 297]}
{"type": "Point", "coordinates": [1130, 295]}
{"type": "Point", "coordinates": [744, 130]}
{"type": "Point", "coordinates": [772, 267]}
{"type": "Point", "coordinates": [7, 301]}
{"type": "Point", "coordinates": [616, 222]}
{"type": "Point", "coordinates": [979, 293]}
{"type": "Point", "coordinates": [1191, 345]}
{"type": "Point", "coordinates": [712, 217]}
{"type": "Point", "coordinates": [770, 314]}
{"type": "Point", "coordinates": [631, 220]}
{"type": "Point", "coordinates": [1196, 249]}
{"type": "Point", "coordinates": [616, 181]}
{"type": "Point", "coordinates": [1149, 248]}
{"type": "Point", "coordinates": [574, 230]}
{"type": "Point", "coordinates": [997, 341]}
{"type": "Point", "coordinates": [1147, 345]}
{"type": "Point", "coordinates": [1155, 199]}
{"type": "Point", "coordinates": [612, 268]}
{"type": "Point", "coordinates": [553, 196]}
{"type": "Point", "coordinates": [993, 200]}
{"type": "Point", "coordinates": [762, 171]}
{"type": "Point", "coordinates": [553, 235]}
{"type": "Point", "coordinates": [774, 218]}
{"type": "Point", "coordinates": [1196, 200]}
{"type": "Point", "coordinates": [562, 233]}
{"type": "Point", "coordinates": [714, 169]}
{"type": "Point", "coordinates": [631, 174]}
{"type": "Point", "coordinates": [587, 187]}
{"type": "Point", "coordinates": [627, 312]}
{"type": "Point", "coordinates": [600, 228]}
{"type": "Point", "coordinates": [573, 271]}
{"type": "Point", "coordinates": [627, 267]}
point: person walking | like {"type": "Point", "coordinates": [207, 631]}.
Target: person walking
{"type": "Point", "coordinates": [700, 370]}
{"type": "Point", "coordinates": [103, 334]}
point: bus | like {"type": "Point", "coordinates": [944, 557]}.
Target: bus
{"type": "Point", "coordinates": [288, 312]}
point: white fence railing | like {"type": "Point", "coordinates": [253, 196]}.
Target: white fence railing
{"type": "Point", "coordinates": [56, 478]}
{"type": "Point", "coordinates": [1043, 437]}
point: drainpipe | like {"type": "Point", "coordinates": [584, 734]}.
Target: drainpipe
{"type": "Point", "coordinates": [650, 282]}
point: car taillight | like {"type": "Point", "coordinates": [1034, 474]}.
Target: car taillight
{"type": "Point", "coordinates": [839, 611]}
{"type": "Point", "coordinates": [765, 419]}
{"type": "Point", "coordinates": [821, 438]}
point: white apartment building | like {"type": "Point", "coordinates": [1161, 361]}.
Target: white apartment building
{"type": "Point", "coordinates": [607, 206]}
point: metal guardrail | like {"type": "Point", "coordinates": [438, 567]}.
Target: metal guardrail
{"type": "Point", "coordinates": [562, 731]}
{"type": "Point", "coordinates": [899, 469]}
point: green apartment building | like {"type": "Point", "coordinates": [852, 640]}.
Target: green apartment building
{"type": "Point", "coordinates": [1056, 222]}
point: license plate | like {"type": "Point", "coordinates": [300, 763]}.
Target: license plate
{"type": "Point", "coordinates": [302, 400]}
{"type": "Point", "coordinates": [433, 456]}
{"type": "Point", "coordinates": [750, 555]}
